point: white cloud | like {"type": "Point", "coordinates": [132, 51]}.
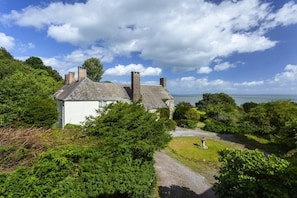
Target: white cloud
{"type": "Point", "coordinates": [182, 35]}
{"type": "Point", "coordinates": [288, 75]}
{"type": "Point", "coordinates": [80, 55]}
{"type": "Point", "coordinates": [285, 16]}
{"type": "Point", "coordinates": [204, 70]}
{"type": "Point", "coordinates": [250, 83]}
{"type": "Point", "coordinates": [192, 85]}
{"type": "Point", "coordinates": [122, 70]}
{"type": "Point", "coordinates": [223, 66]}
{"type": "Point", "coordinates": [6, 41]}
{"type": "Point", "coordinates": [64, 33]}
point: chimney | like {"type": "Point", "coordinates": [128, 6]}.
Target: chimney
{"type": "Point", "coordinates": [82, 73]}
{"type": "Point", "coordinates": [163, 82]}
{"type": "Point", "coordinates": [69, 78]}
{"type": "Point", "coordinates": [135, 85]}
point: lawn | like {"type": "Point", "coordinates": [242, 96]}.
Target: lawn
{"type": "Point", "coordinates": [188, 151]}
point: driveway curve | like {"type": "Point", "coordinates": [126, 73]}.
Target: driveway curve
{"type": "Point", "coordinates": [177, 180]}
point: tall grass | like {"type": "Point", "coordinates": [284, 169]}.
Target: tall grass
{"type": "Point", "coordinates": [21, 147]}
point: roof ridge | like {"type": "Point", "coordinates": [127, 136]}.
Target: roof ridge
{"type": "Point", "coordinates": [76, 85]}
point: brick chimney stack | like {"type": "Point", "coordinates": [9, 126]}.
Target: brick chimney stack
{"type": "Point", "coordinates": [163, 82]}
{"type": "Point", "coordinates": [135, 85]}
{"type": "Point", "coordinates": [69, 78]}
{"type": "Point", "coordinates": [82, 73]}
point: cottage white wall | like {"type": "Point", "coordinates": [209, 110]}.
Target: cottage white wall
{"type": "Point", "coordinates": [75, 112]}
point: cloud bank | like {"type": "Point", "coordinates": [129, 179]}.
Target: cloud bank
{"type": "Point", "coordinates": [183, 35]}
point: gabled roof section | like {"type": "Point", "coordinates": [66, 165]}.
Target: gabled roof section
{"type": "Point", "coordinates": [88, 90]}
{"type": "Point", "coordinates": [152, 96]}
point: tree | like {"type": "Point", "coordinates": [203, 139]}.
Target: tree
{"type": "Point", "coordinates": [94, 69]}
{"type": "Point", "coordinates": [37, 63]}
{"type": "Point", "coordinates": [130, 130]}
{"type": "Point", "coordinates": [4, 54]}
{"type": "Point", "coordinates": [186, 115]}
{"type": "Point", "coordinates": [222, 114]}
{"type": "Point", "coordinates": [273, 119]}
{"type": "Point", "coordinates": [250, 173]}
{"type": "Point", "coordinates": [17, 93]}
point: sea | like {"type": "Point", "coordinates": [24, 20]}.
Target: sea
{"type": "Point", "coordinates": [239, 99]}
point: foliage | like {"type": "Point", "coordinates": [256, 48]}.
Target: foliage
{"type": "Point", "coordinates": [128, 129]}
{"type": "Point", "coordinates": [275, 120]}
{"type": "Point", "coordinates": [9, 66]}
{"type": "Point", "coordinates": [117, 162]}
{"type": "Point", "coordinates": [186, 115]}
{"type": "Point", "coordinates": [34, 115]}
{"type": "Point", "coordinates": [248, 106]}
{"type": "Point", "coordinates": [4, 54]}
{"type": "Point", "coordinates": [37, 63]}
{"type": "Point", "coordinates": [18, 93]}
{"type": "Point", "coordinates": [250, 173]}
{"type": "Point", "coordinates": [94, 69]}
{"type": "Point", "coordinates": [80, 172]}
{"type": "Point", "coordinates": [170, 124]}
{"type": "Point", "coordinates": [221, 101]}
{"type": "Point", "coordinates": [222, 114]}
{"type": "Point", "coordinates": [288, 133]}
{"type": "Point", "coordinates": [164, 113]}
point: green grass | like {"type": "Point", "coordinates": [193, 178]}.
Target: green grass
{"type": "Point", "coordinates": [264, 144]}
{"type": "Point", "coordinates": [187, 150]}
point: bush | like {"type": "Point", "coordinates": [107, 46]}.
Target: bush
{"type": "Point", "coordinates": [250, 173]}
{"type": "Point", "coordinates": [170, 125]}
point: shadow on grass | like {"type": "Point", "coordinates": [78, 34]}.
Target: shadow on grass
{"type": "Point", "coordinates": [182, 192]}
{"type": "Point", "coordinates": [269, 148]}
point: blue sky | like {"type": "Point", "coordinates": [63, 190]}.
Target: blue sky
{"type": "Point", "coordinates": [231, 46]}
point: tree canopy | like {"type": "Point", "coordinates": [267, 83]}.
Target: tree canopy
{"type": "Point", "coordinates": [37, 63]}
{"type": "Point", "coordinates": [94, 69]}
{"type": "Point", "coordinates": [130, 130]}
{"type": "Point", "coordinates": [250, 173]}
{"type": "Point", "coordinates": [222, 114]}
{"type": "Point", "coordinates": [24, 90]}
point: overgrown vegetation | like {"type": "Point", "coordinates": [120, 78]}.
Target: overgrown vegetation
{"type": "Point", "coordinates": [276, 120]}
{"type": "Point", "coordinates": [250, 173]}
{"type": "Point", "coordinates": [26, 92]}
{"type": "Point", "coordinates": [111, 157]}
{"type": "Point", "coordinates": [185, 115]}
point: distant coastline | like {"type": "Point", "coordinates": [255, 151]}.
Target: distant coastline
{"type": "Point", "coordinates": [239, 98]}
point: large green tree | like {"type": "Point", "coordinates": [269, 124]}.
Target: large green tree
{"type": "Point", "coordinates": [128, 129]}
{"type": "Point", "coordinates": [185, 115]}
{"type": "Point", "coordinates": [276, 119]}
{"type": "Point", "coordinates": [94, 69]}
{"type": "Point", "coordinates": [37, 63]}
{"type": "Point", "coordinates": [18, 96]}
{"type": "Point", "coordinates": [222, 113]}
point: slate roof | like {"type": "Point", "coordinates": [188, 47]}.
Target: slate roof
{"type": "Point", "coordinates": [153, 96]}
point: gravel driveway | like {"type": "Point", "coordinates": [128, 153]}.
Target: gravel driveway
{"type": "Point", "coordinates": [177, 180]}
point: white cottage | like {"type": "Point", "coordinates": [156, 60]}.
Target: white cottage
{"type": "Point", "coordinates": [81, 98]}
